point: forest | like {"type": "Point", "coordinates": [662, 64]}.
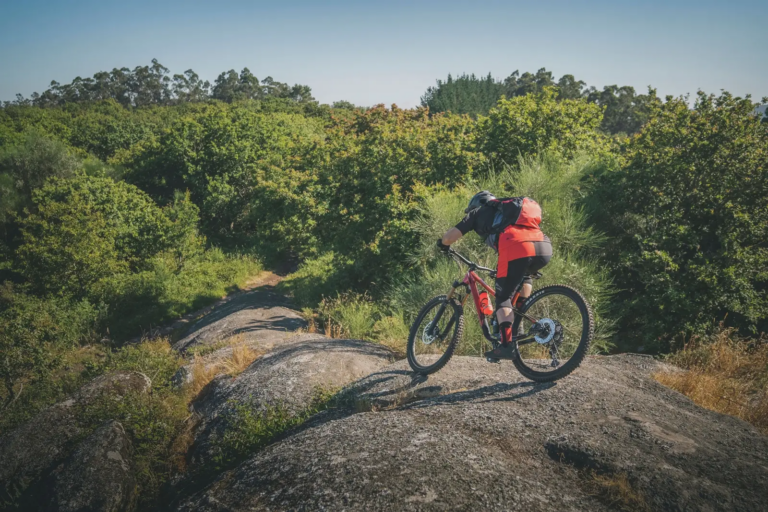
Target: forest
{"type": "Point", "coordinates": [135, 196]}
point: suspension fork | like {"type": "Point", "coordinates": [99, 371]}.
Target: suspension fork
{"type": "Point", "coordinates": [441, 310]}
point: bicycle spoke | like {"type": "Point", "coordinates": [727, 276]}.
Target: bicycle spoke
{"type": "Point", "coordinates": [555, 323]}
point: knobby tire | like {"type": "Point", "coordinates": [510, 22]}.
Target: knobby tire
{"type": "Point", "coordinates": [457, 323]}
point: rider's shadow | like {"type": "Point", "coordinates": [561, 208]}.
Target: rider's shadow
{"type": "Point", "coordinates": [484, 394]}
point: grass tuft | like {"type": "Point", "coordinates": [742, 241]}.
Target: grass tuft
{"type": "Point", "coordinates": [250, 430]}
{"type": "Point", "coordinates": [204, 371]}
{"type": "Point", "coordinates": [617, 491]}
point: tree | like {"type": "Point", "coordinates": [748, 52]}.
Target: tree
{"type": "Point", "coordinates": [466, 94]}
{"type": "Point", "coordinates": [527, 83]}
{"type": "Point", "coordinates": [248, 86]}
{"type": "Point", "coordinates": [342, 104]}
{"type": "Point", "coordinates": [24, 169]}
{"type": "Point", "coordinates": [625, 111]}
{"type": "Point", "coordinates": [189, 88]}
{"type": "Point", "coordinates": [689, 216]}
{"type": "Point", "coordinates": [568, 88]}
{"type": "Point", "coordinates": [225, 88]}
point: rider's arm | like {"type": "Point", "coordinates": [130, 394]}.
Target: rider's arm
{"type": "Point", "coordinates": [460, 229]}
{"type": "Point", "coordinates": [451, 236]}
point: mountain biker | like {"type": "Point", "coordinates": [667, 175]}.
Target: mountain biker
{"type": "Point", "coordinates": [522, 247]}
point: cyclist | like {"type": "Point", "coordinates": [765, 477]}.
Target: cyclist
{"type": "Point", "coordinates": [522, 247]}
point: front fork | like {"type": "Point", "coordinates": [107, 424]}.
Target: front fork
{"type": "Point", "coordinates": [434, 330]}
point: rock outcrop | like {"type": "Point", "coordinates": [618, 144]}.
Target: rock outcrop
{"type": "Point", "coordinates": [98, 476]}
{"type": "Point", "coordinates": [44, 441]}
{"type": "Point", "coordinates": [473, 436]}
{"type": "Point", "coordinates": [260, 318]}
{"type": "Point", "coordinates": [290, 377]}
{"type": "Point", "coordinates": [478, 436]}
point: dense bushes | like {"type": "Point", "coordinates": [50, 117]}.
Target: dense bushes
{"type": "Point", "coordinates": [688, 216]}
{"type": "Point", "coordinates": [357, 195]}
{"type": "Point", "coordinates": [34, 334]}
{"type": "Point", "coordinates": [93, 256]}
{"type": "Point", "coordinates": [534, 124]}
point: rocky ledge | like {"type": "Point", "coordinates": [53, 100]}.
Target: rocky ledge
{"type": "Point", "coordinates": [476, 435]}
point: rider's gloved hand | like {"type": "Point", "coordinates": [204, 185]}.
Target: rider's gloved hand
{"type": "Point", "coordinates": [442, 246]}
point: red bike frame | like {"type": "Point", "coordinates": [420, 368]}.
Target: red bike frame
{"type": "Point", "coordinates": [471, 280]}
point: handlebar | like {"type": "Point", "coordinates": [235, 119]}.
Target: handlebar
{"type": "Point", "coordinates": [471, 264]}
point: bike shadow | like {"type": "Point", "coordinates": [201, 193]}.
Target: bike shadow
{"type": "Point", "coordinates": [403, 389]}
{"type": "Point", "coordinates": [483, 394]}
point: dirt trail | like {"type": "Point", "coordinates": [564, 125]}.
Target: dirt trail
{"type": "Point", "coordinates": [266, 279]}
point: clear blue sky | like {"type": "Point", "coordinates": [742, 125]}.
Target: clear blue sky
{"type": "Point", "coordinates": [370, 52]}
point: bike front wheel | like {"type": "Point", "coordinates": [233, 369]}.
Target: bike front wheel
{"type": "Point", "coordinates": [556, 328]}
{"type": "Point", "coordinates": [435, 334]}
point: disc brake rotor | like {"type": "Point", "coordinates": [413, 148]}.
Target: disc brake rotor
{"type": "Point", "coordinates": [546, 331]}
{"type": "Point", "coordinates": [426, 337]}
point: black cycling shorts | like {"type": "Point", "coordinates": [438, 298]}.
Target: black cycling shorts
{"type": "Point", "coordinates": [519, 271]}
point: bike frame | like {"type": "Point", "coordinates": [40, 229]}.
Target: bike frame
{"type": "Point", "coordinates": [470, 281]}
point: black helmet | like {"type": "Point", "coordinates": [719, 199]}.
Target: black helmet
{"type": "Point", "coordinates": [479, 200]}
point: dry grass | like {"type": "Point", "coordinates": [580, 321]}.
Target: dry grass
{"type": "Point", "coordinates": [182, 443]}
{"type": "Point", "coordinates": [241, 358]}
{"type": "Point", "coordinates": [204, 371]}
{"type": "Point", "coordinates": [202, 374]}
{"type": "Point", "coordinates": [617, 491]}
{"type": "Point", "coordinates": [726, 374]}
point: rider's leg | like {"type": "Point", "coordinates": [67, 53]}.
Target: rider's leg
{"type": "Point", "coordinates": [543, 252]}
{"type": "Point", "coordinates": [505, 287]}
{"type": "Point", "coordinates": [505, 317]}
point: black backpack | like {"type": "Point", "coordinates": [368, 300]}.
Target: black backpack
{"type": "Point", "coordinates": [507, 212]}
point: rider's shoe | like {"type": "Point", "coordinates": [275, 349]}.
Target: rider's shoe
{"type": "Point", "coordinates": [503, 351]}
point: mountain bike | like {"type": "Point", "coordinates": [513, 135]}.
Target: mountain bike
{"type": "Point", "coordinates": [554, 326]}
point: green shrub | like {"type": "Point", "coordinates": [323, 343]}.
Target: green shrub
{"type": "Point", "coordinates": [34, 333]}
{"type": "Point", "coordinates": [30, 163]}
{"type": "Point", "coordinates": [534, 124]}
{"type": "Point", "coordinates": [324, 276]}
{"type": "Point", "coordinates": [248, 429]}
{"type": "Point", "coordinates": [89, 228]}
{"type": "Point", "coordinates": [50, 387]}
{"type": "Point", "coordinates": [165, 291]}
{"type": "Point", "coordinates": [156, 422]}
{"type": "Point", "coordinates": [688, 219]}
{"type": "Point", "coordinates": [354, 315]}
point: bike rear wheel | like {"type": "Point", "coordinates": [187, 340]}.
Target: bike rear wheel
{"type": "Point", "coordinates": [563, 326]}
{"type": "Point", "coordinates": [435, 334]}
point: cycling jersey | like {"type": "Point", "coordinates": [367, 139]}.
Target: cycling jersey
{"type": "Point", "coordinates": [523, 248]}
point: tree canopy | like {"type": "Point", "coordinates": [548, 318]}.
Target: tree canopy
{"type": "Point", "coordinates": [625, 111]}
{"type": "Point", "coordinates": [153, 85]}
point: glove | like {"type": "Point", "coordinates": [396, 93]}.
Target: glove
{"type": "Point", "coordinates": [442, 246]}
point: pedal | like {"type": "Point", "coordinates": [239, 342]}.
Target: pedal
{"type": "Point", "coordinates": [492, 360]}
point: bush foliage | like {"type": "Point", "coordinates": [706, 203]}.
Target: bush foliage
{"type": "Point", "coordinates": [114, 213]}
{"type": "Point", "coordinates": [688, 215]}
